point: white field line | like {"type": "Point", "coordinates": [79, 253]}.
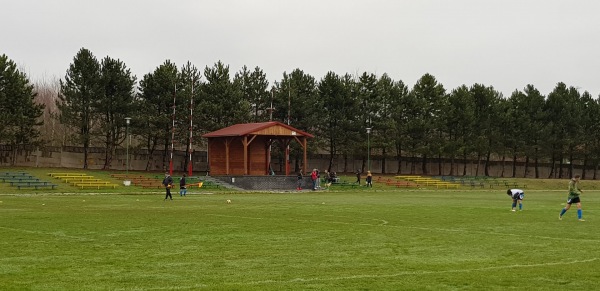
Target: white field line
{"type": "Point", "coordinates": [381, 276]}
{"type": "Point", "coordinates": [55, 234]}
{"type": "Point", "coordinates": [457, 230]}
{"type": "Point", "coordinates": [415, 273]}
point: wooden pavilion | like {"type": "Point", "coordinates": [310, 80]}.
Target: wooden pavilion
{"type": "Point", "coordinates": [244, 149]}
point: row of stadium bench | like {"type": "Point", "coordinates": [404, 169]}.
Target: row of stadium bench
{"type": "Point", "coordinates": [428, 181]}
{"type": "Point", "coordinates": [482, 182]}
{"type": "Point", "coordinates": [82, 180]}
{"type": "Point", "coordinates": [447, 182]}
{"type": "Point", "coordinates": [22, 180]}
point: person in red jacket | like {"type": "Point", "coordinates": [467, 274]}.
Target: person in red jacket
{"type": "Point", "coordinates": [314, 177]}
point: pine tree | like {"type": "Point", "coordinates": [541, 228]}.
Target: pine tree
{"type": "Point", "coordinates": [336, 104]}
{"type": "Point", "coordinates": [222, 102]}
{"type": "Point", "coordinates": [157, 90]}
{"type": "Point", "coordinates": [78, 92]}
{"type": "Point", "coordinates": [19, 113]}
{"type": "Point", "coordinates": [114, 105]}
{"type": "Point", "coordinates": [254, 87]}
{"type": "Point", "coordinates": [430, 99]}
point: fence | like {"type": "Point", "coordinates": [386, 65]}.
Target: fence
{"type": "Point", "coordinates": [141, 159]}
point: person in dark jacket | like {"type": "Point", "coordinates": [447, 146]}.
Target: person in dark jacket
{"type": "Point", "coordinates": [168, 183]}
{"type": "Point", "coordinates": [182, 186]}
{"type": "Point", "coordinates": [300, 177]}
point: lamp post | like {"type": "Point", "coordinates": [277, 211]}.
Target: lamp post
{"type": "Point", "coordinates": [368, 149]}
{"type": "Point", "coordinates": [127, 121]}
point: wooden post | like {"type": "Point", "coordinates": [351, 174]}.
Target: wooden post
{"type": "Point", "coordinates": [305, 157]}
{"type": "Point", "coordinates": [226, 156]}
{"type": "Point", "coordinates": [245, 143]}
{"type": "Point", "coordinates": [268, 157]}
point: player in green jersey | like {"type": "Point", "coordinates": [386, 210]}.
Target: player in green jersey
{"type": "Point", "coordinates": [574, 192]}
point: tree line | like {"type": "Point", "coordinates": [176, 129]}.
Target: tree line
{"type": "Point", "coordinates": [424, 122]}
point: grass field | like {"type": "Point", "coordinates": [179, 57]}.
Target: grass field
{"type": "Point", "coordinates": [331, 240]}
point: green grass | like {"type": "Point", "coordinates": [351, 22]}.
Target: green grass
{"type": "Point", "coordinates": [375, 239]}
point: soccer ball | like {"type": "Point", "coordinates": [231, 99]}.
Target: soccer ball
{"type": "Point", "coordinates": [228, 201]}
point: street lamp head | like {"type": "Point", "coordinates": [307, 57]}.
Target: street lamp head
{"type": "Point", "coordinates": [127, 120]}
{"type": "Point", "coordinates": [368, 130]}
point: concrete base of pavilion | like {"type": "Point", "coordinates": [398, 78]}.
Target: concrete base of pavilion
{"type": "Point", "coordinates": [275, 182]}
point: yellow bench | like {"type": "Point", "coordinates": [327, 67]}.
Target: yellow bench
{"type": "Point", "coordinates": [423, 180]}
{"type": "Point", "coordinates": [428, 183]}
{"type": "Point", "coordinates": [437, 183]}
{"type": "Point", "coordinates": [55, 175]}
{"type": "Point", "coordinates": [84, 181]}
{"type": "Point", "coordinates": [407, 176]}
{"type": "Point", "coordinates": [94, 182]}
{"type": "Point", "coordinates": [80, 178]}
{"type": "Point", "coordinates": [96, 185]}
{"type": "Point", "coordinates": [71, 177]}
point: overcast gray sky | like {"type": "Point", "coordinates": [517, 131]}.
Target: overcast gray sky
{"type": "Point", "coordinates": [507, 44]}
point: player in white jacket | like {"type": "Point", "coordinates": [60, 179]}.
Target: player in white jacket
{"type": "Point", "coordinates": [517, 196]}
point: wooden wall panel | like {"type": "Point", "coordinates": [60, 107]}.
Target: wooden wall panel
{"type": "Point", "coordinates": [274, 130]}
{"type": "Point", "coordinates": [257, 156]}
{"type": "Point", "coordinates": [216, 156]}
{"type": "Point", "coordinates": [236, 157]}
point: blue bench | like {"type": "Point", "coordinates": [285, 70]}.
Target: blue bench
{"type": "Point", "coordinates": [13, 182]}
{"type": "Point", "coordinates": [2, 174]}
{"type": "Point", "coordinates": [16, 178]}
{"type": "Point", "coordinates": [36, 186]}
